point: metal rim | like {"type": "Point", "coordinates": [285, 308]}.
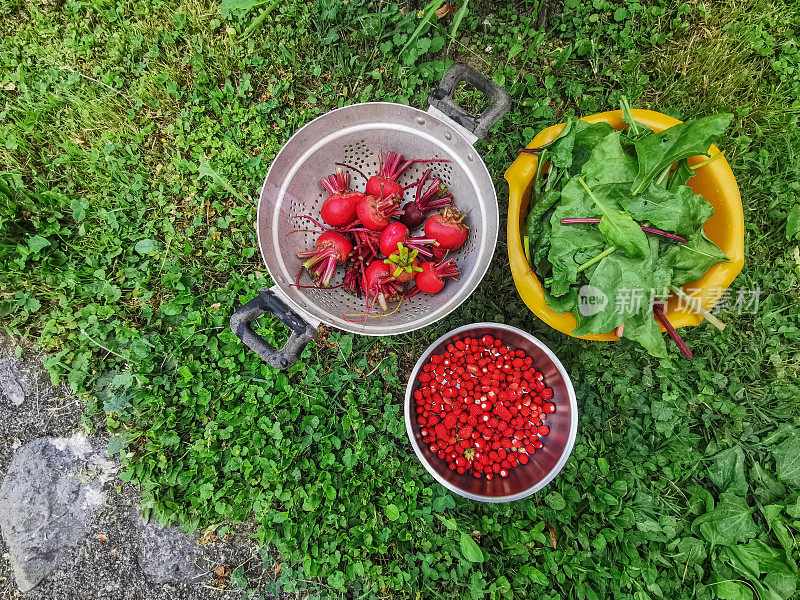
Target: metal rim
{"type": "Point", "coordinates": [573, 429]}
{"type": "Point", "coordinates": [265, 218]}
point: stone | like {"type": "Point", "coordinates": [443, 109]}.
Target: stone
{"type": "Point", "coordinates": [13, 384]}
{"type": "Point", "coordinates": [52, 489]}
{"type": "Point", "coordinates": [166, 555]}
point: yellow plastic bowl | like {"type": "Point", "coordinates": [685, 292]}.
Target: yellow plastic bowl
{"type": "Point", "coordinates": [715, 182]}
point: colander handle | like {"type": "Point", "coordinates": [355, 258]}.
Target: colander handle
{"type": "Point", "coordinates": [443, 99]}
{"type": "Point", "coordinates": [267, 302]}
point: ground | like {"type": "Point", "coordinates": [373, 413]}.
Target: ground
{"type": "Point", "coordinates": [105, 563]}
{"type": "Point", "coordinates": [133, 139]}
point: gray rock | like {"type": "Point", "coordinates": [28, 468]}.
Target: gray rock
{"type": "Point", "coordinates": [13, 383]}
{"type": "Point", "coordinates": [52, 489]}
{"type": "Point", "coordinates": [165, 554]}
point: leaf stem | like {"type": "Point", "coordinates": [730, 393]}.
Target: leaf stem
{"type": "Point", "coordinates": [597, 258]}
{"type": "Point", "coordinates": [586, 187]}
{"type": "Point", "coordinates": [698, 308]}
{"type": "Point", "coordinates": [662, 318]}
{"type": "Point", "coordinates": [711, 159]}
{"type": "Point", "coordinates": [663, 176]}
{"type": "Point", "coordinates": [666, 234]}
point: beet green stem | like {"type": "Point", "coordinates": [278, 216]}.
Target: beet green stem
{"type": "Point", "coordinates": [653, 230]}
{"type": "Point", "coordinates": [597, 258]}
{"type": "Point", "coordinates": [662, 318]}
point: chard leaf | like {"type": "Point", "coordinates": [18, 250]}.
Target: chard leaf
{"type": "Point", "coordinates": [627, 286]}
{"type": "Point", "coordinates": [617, 226]}
{"type": "Point", "coordinates": [657, 151]}
{"type": "Point", "coordinates": [536, 220]}
{"type": "Point", "coordinates": [609, 163]}
{"type": "Point", "coordinates": [643, 328]}
{"type": "Point", "coordinates": [566, 242]}
{"type": "Point", "coordinates": [562, 304]}
{"type": "Point", "coordinates": [690, 261]}
{"type": "Point", "coordinates": [681, 175]}
{"type": "Point", "coordinates": [636, 130]}
{"type": "Point", "coordinates": [677, 209]}
{"type": "Point", "coordinates": [586, 139]}
{"type": "Point", "coordinates": [562, 151]}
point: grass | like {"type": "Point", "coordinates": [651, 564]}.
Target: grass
{"type": "Point", "coordinates": [124, 264]}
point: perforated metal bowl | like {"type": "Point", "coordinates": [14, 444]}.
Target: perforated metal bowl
{"type": "Point", "coordinates": [546, 463]}
{"type": "Point", "coordinates": [353, 135]}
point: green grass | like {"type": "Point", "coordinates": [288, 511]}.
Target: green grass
{"type": "Point", "coordinates": [124, 264]}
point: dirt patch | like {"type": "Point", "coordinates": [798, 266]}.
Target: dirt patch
{"type": "Point", "coordinates": [105, 563]}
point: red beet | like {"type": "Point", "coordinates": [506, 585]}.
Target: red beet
{"type": "Point", "coordinates": [447, 228]}
{"type": "Point", "coordinates": [403, 263]}
{"type": "Point", "coordinates": [426, 200]}
{"type": "Point", "coordinates": [384, 183]}
{"type": "Point", "coordinates": [397, 233]}
{"type": "Point", "coordinates": [339, 209]}
{"type": "Point", "coordinates": [431, 278]}
{"type": "Point", "coordinates": [330, 250]}
{"type": "Point", "coordinates": [374, 212]}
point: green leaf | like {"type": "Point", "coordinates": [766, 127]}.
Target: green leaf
{"type": "Point", "coordinates": [726, 471]}
{"type": "Point", "coordinates": [238, 579]}
{"type": "Point", "coordinates": [732, 590]}
{"type": "Point", "coordinates": [628, 285]}
{"type": "Point", "coordinates": [441, 503]}
{"type": "Point", "coordinates": [535, 575]}
{"type": "Point", "coordinates": [79, 207]}
{"type": "Point", "coordinates": [562, 152]}
{"type": "Point", "coordinates": [346, 346]}
{"type": "Point", "coordinates": [793, 223]}
{"type": "Point", "coordinates": [470, 549]}
{"type": "Point", "coordinates": [536, 216]}
{"type": "Point", "coordinates": [587, 137]}
{"type": "Point", "coordinates": [424, 23]}
{"type": "Point", "coordinates": [609, 163]}
{"type": "Point", "coordinates": [681, 175]}
{"type": "Point", "coordinates": [146, 246]}
{"type": "Point", "coordinates": [729, 523]}
{"type": "Point", "coordinates": [37, 243]}
{"type": "Point", "coordinates": [787, 459]}
{"type": "Point", "coordinates": [690, 261]}
{"type": "Point", "coordinates": [690, 550]}
{"type": "Point", "coordinates": [457, 18]}
{"type": "Point", "coordinates": [227, 7]}
{"type": "Point", "coordinates": [555, 501]}
{"type": "Point", "coordinates": [657, 151]}
{"type": "Point", "coordinates": [678, 210]}
{"type": "Point", "coordinates": [772, 514]}
{"type": "Point", "coordinates": [117, 443]}
{"type": "Point", "coordinates": [448, 523]}
{"type": "Point", "coordinates": [205, 169]}
{"type": "Point", "coordinates": [392, 513]}
{"type": "Point", "coordinates": [617, 226]}
{"type": "Point", "coordinates": [349, 459]}
{"type": "Point", "coordinates": [170, 438]}
{"type": "Point", "coordinates": [636, 130]}
{"type": "Point", "coordinates": [754, 559]}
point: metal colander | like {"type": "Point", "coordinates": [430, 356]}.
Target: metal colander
{"type": "Point", "coordinates": [354, 135]}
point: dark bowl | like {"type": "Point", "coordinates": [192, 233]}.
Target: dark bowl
{"type": "Point", "coordinates": [546, 463]}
